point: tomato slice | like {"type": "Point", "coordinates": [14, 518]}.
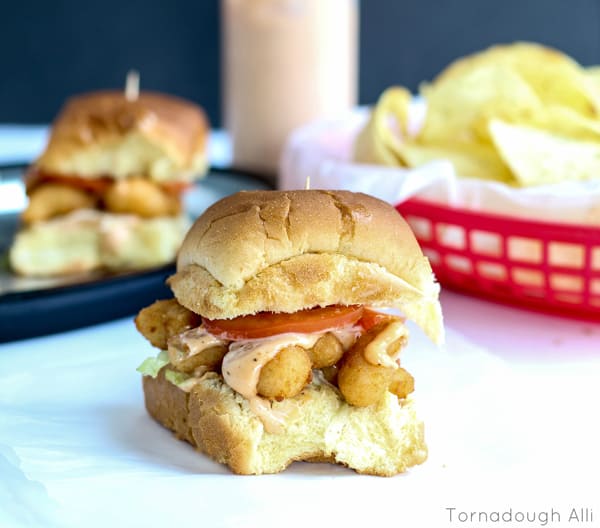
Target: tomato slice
{"type": "Point", "coordinates": [371, 318]}
{"type": "Point", "coordinates": [94, 185]}
{"type": "Point", "coordinates": [100, 185]}
{"type": "Point", "coordinates": [267, 324]}
{"type": "Point", "coordinates": [176, 188]}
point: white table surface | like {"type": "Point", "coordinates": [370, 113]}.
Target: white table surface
{"type": "Point", "coordinates": [510, 406]}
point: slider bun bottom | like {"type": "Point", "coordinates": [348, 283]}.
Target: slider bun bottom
{"type": "Point", "coordinates": [380, 440]}
{"type": "Point", "coordinates": [87, 240]}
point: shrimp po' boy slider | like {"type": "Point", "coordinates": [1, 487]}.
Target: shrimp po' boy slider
{"type": "Point", "coordinates": [276, 347]}
{"type": "Point", "coordinates": [106, 191]}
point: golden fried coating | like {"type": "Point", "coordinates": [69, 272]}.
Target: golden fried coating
{"type": "Point", "coordinates": [140, 197]}
{"type": "Point", "coordinates": [286, 374]}
{"type": "Point", "coordinates": [361, 383]}
{"type": "Point", "coordinates": [402, 383]}
{"type": "Point", "coordinates": [210, 357]}
{"type": "Point", "coordinates": [164, 319]}
{"type": "Point", "coordinates": [53, 199]}
{"type": "Point", "coordinates": [326, 352]}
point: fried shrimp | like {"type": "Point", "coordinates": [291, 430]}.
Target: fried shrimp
{"type": "Point", "coordinates": [196, 348]}
{"type": "Point", "coordinates": [402, 383]}
{"type": "Point", "coordinates": [286, 374]}
{"type": "Point", "coordinates": [164, 319]}
{"type": "Point", "coordinates": [140, 197]}
{"type": "Point", "coordinates": [326, 352]}
{"type": "Point", "coordinates": [361, 383]}
{"type": "Point", "coordinates": [53, 199]}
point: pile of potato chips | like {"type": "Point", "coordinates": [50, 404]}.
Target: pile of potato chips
{"type": "Point", "coordinates": [522, 114]}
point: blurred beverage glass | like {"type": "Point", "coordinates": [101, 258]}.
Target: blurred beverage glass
{"type": "Point", "coordinates": [284, 63]}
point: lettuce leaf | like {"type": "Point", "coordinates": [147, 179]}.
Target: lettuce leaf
{"type": "Point", "coordinates": [151, 366]}
{"type": "Point", "coordinates": [176, 378]}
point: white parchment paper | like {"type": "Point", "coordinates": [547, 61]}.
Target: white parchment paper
{"type": "Point", "coordinates": [77, 447]}
{"type": "Point", "coordinates": [322, 150]}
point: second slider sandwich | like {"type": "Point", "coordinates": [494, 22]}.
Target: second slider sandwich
{"type": "Point", "coordinates": [275, 347]}
{"type": "Point", "coordinates": [106, 192]}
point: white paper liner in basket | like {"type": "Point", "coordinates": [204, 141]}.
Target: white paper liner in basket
{"type": "Point", "coordinates": [322, 150]}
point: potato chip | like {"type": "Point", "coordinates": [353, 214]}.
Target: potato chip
{"type": "Point", "coordinates": [522, 114]}
{"type": "Point", "coordinates": [558, 120]}
{"type": "Point", "coordinates": [458, 109]}
{"type": "Point", "coordinates": [539, 157]}
{"type": "Point", "coordinates": [377, 142]}
{"type": "Point", "coordinates": [554, 76]}
{"type": "Point", "coordinates": [592, 74]}
{"type": "Point", "coordinates": [470, 160]}
{"type": "Point", "coordinates": [566, 122]}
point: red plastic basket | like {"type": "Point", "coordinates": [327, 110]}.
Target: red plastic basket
{"type": "Point", "coordinates": [542, 266]}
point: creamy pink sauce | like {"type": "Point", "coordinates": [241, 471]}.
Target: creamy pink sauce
{"type": "Point", "coordinates": [191, 343]}
{"type": "Point", "coordinates": [376, 352]}
{"type": "Point", "coordinates": [245, 359]}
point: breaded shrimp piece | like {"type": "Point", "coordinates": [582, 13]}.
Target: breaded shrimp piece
{"type": "Point", "coordinates": [361, 383]}
{"type": "Point", "coordinates": [196, 348]}
{"type": "Point", "coordinates": [286, 374]}
{"type": "Point", "coordinates": [140, 197]}
{"type": "Point", "coordinates": [402, 383]}
{"type": "Point", "coordinates": [53, 199]}
{"type": "Point", "coordinates": [326, 352]}
{"type": "Point", "coordinates": [164, 319]}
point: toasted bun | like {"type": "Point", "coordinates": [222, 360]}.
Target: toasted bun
{"type": "Point", "coordinates": [283, 251]}
{"type": "Point", "coordinates": [103, 134]}
{"type": "Point", "coordinates": [88, 239]}
{"type": "Point", "coordinates": [382, 440]}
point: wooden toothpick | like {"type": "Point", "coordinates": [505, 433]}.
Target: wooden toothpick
{"type": "Point", "coordinates": [132, 85]}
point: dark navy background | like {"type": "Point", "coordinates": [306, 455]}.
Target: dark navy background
{"type": "Point", "coordinates": [51, 49]}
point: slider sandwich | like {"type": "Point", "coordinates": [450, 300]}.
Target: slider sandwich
{"type": "Point", "coordinates": [277, 347]}
{"type": "Point", "coordinates": [106, 192]}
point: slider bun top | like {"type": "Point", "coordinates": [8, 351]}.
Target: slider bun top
{"type": "Point", "coordinates": [103, 134]}
{"type": "Point", "coordinates": [283, 251]}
